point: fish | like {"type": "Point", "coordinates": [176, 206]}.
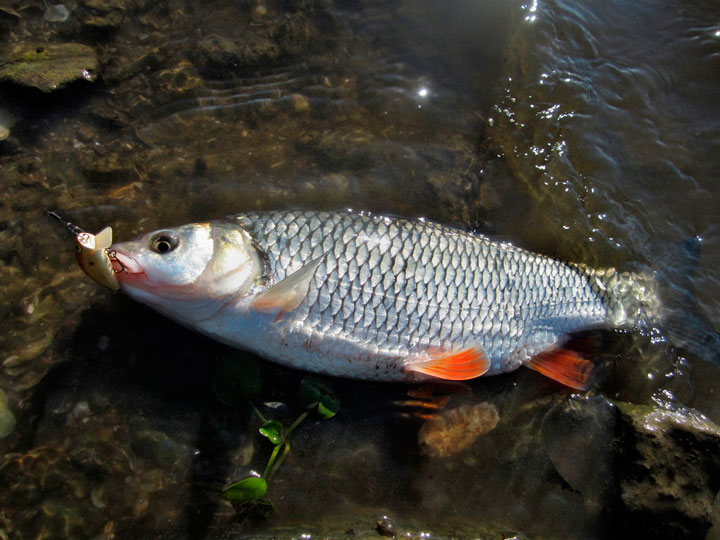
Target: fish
{"type": "Point", "coordinates": [364, 296]}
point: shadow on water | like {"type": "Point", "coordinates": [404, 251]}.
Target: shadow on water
{"type": "Point", "coordinates": [153, 440]}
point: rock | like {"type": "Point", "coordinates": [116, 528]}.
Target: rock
{"type": "Point", "coordinates": [7, 121]}
{"type": "Point", "coordinates": [668, 468]}
{"type": "Point", "coordinates": [579, 436]}
{"type": "Point", "coordinates": [7, 418]}
{"type": "Point", "coordinates": [453, 431]}
{"type": "Point", "coordinates": [8, 18]}
{"type": "Point", "coordinates": [56, 13]}
{"type": "Point", "coordinates": [113, 169]}
{"type": "Point", "coordinates": [386, 527]}
{"type": "Point", "coordinates": [158, 448]}
{"type": "Point", "coordinates": [216, 55]}
{"type": "Point", "coordinates": [49, 67]}
{"type": "Point", "coordinates": [300, 103]}
{"type": "Point", "coordinates": [103, 16]}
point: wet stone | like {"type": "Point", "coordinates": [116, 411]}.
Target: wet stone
{"type": "Point", "coordinates": [103, 16]}
{"type": "Point", "coordinates": [215, 55]}
{"type": "Point", "coordinates": [7, 121]}
{"type": "Point", "coordinates": [8, 18]}
{"type": "Point", "coordinates": [7, 418]}
{"type": "Point", "coordinates": [56, 13]}
{"type": "Point", "coordinates": [158, 447]}
{"type": "Point", "coordinates": [92, 459]}
{"type": "Point", "coordinates": [386, 527]}
{"type": "Point", "coordinates": [455, 430]}
{"type": "Point", "coordinates": [579, 435]}
{"type": "Point", "coordinates": [113, 169]}
{"type": "Point", "coordinates": [668, 464]}
{"type": "Point", "coordinates": [300, 103]}
{"type": "Point", "coordinates": [49, 67]}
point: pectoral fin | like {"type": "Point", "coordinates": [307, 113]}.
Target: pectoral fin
{"type": "Point", "coordinates": [285, 296]}
{"type": "Point", "coordinates": [452, 366]}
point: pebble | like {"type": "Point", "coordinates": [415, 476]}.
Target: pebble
{"type": "Point", "coordinates": [56, 13]}
{"type": "Point", "coordinates": [300, 103]}
{"type": "Point", "coordinates": [7, 120]}
{"type": "Point", "coordinates": [7, 418]}
{"type": "Point", "coordinates": [386, 527]}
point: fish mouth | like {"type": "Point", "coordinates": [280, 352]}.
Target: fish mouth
{"type": "Point", "coordinates": [123, 263]}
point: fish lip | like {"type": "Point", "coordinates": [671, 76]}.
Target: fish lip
{"type": "Point", "coordinates": [124, 263]}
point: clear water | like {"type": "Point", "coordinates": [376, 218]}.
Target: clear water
{"type": "Point", "coordinates": [589, 131]}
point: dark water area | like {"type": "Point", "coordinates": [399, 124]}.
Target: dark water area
{"type": "Point", "coordinates": [589, 131]}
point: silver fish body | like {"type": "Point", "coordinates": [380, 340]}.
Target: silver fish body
{"type": "Point", "coordinates": [371, 297]}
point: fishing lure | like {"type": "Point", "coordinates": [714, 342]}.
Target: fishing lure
{"type": "Point", "coordinates": [93, 254]}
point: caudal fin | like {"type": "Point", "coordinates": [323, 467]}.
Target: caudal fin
{"type": "Point", "coordinates": [681, 320]}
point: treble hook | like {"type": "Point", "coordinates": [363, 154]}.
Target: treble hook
{"type": "Point", "coordinates": [112, 255]}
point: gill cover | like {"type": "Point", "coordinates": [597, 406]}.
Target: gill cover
{"type": "Point", "coordinates": [91, 252]}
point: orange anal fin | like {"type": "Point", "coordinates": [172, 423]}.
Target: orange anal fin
{"type": "Point", "coordinates": [564, 366]}
{"type": "Point", "coordinates": [453, 366]}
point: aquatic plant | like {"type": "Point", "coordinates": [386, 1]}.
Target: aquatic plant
{"type": "Point", "coordinates": [236, 381]}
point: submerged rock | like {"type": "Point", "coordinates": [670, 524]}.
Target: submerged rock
{"type": "Point", "coordinates": [7, 121]}
{"type": "Point", "coordinates": [56, 13]}
{"type": "Point", "coordinates": [579, 436]}
{"type": "Point", "coordinates": [668, 463]}
{"type": "Point", "coordinates": [49, 67]}
{"type": "Point", "coordinates": [103, 16]}
{"type": "Point", "coordinates": [455, 430]}
{"type": "Point", "coordinates": [158, 448]}
{"type": "Point", "coordinates": [7, 418]}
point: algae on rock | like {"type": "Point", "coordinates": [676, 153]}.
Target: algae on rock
{"type": "Point", "coordinates": [47, 66]}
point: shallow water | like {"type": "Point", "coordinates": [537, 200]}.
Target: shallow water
{"type": "Point", "coordinates": [586, 131]}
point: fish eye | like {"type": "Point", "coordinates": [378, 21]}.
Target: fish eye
{"type": "Point", "coordinates": [163, 242]}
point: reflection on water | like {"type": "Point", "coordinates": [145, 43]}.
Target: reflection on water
{"type": "Point", "coordinates": [586, 131]}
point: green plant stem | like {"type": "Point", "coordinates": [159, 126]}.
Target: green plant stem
{"type": "Point", "coordinates": [286, 450]}
{"type": "Point", "coordinates": [296, 423]}
{"type": "Point", "coordinates": [274, 454]}
{"type": "Point", "coordinates": [260, 415]}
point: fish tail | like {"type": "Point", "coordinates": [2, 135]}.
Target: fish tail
{"type": "Point", "coordinates": [664, 300]}
{"type": "Point", "coordinates": [681, 319]}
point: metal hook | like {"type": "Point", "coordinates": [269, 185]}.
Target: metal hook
{"type": "Point", "coordinates": [112, 255]}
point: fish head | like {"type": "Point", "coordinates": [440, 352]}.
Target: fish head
{"type": "Point", "coordinates": [188, 271]}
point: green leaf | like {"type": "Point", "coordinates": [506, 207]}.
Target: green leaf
{"type": "Point", "coordinates": [273, 430]}
{"type": "Point", "coordinates": [248, 489]}
{"type": "Point", "coordinates": [236, 380]}
{"type": "Point", "coordinates": [311, 392]}
{"type": "Point", "coordinates": [315, 395]}
{"type": "Point", "coordinates": [328, 406]}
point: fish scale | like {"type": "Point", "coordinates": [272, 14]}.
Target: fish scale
{"type": "Point", "coordinates": [410, 275]}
